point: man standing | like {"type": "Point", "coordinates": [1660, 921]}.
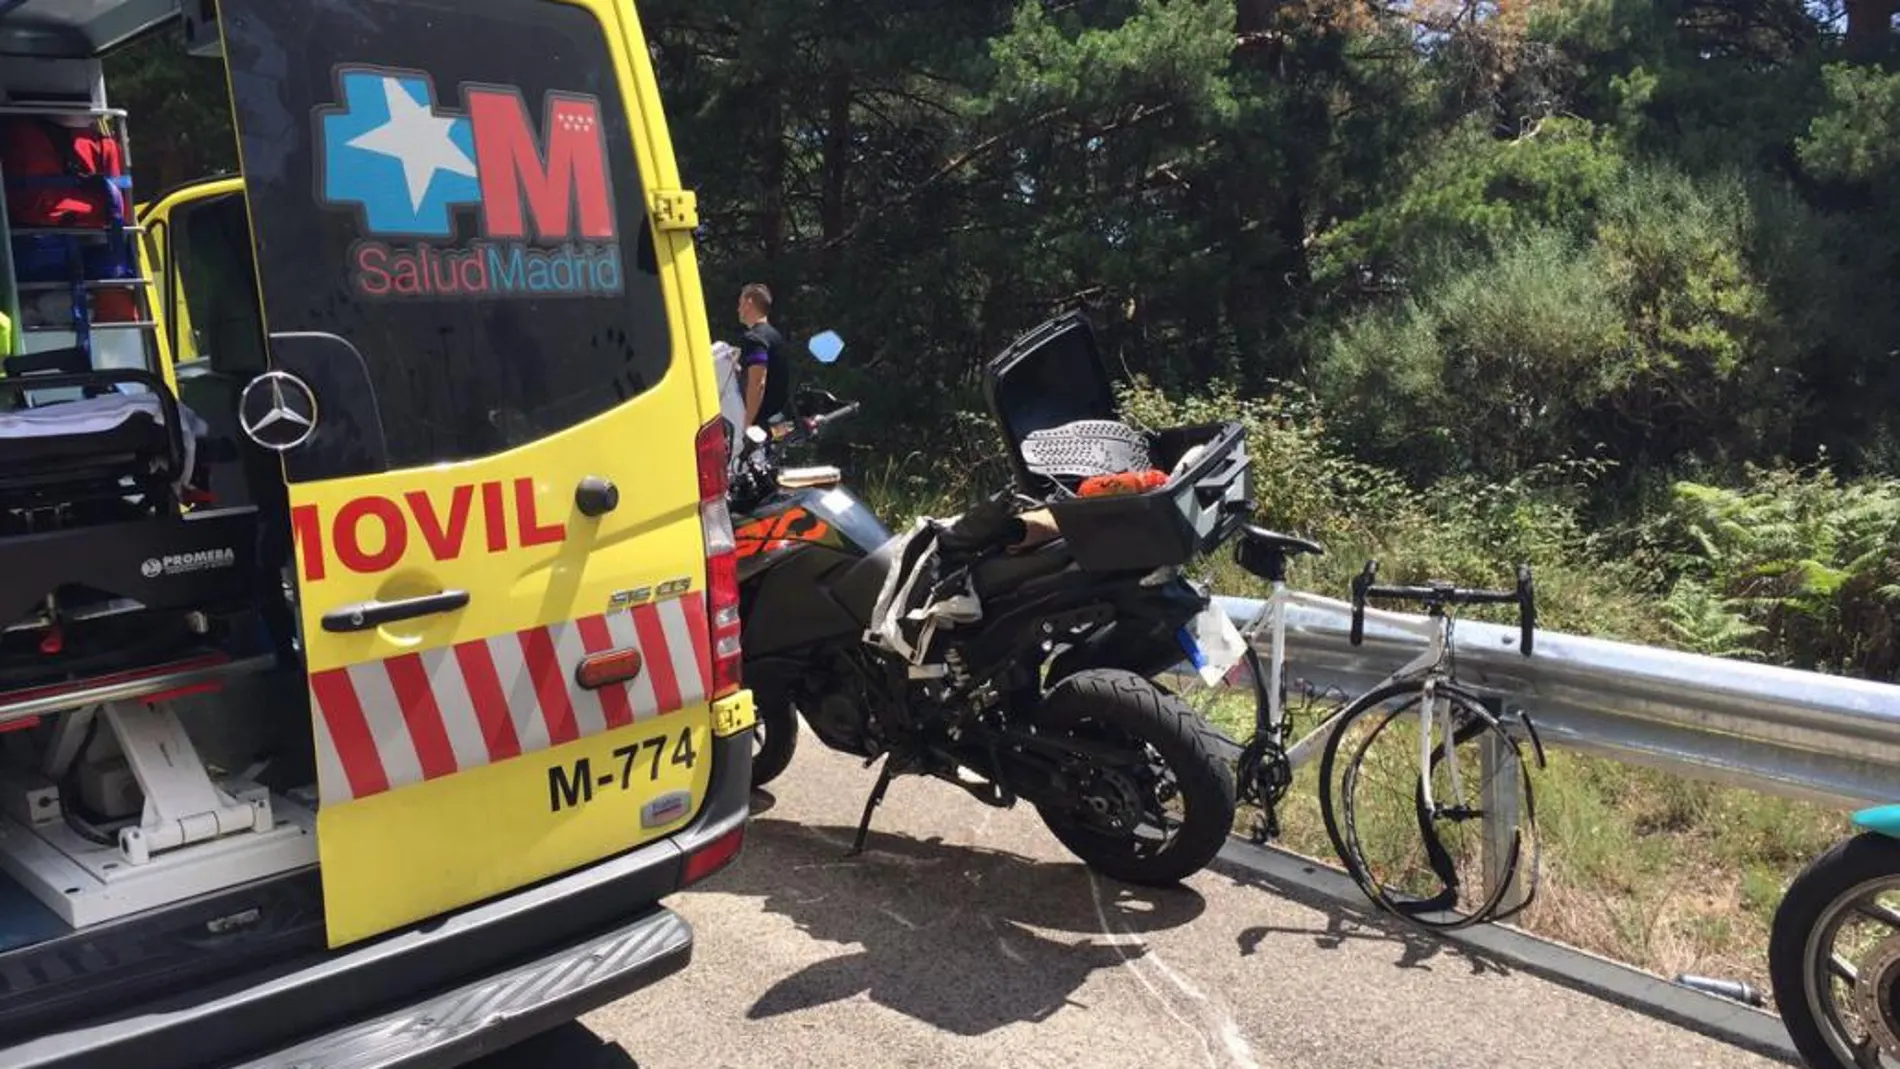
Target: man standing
{"type": "Point", "coordinates": [762, 358]}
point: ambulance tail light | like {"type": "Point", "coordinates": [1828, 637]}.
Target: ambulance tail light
{"type": "Point", "coordinates": [722, 560]}
{"type": "Point", "coordinates": [713, 856]}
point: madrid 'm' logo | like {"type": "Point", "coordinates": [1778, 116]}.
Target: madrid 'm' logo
{"type": "Point", "coordinates": [408, 163]}
{"type": "Point", "coordinates": [543, 202]}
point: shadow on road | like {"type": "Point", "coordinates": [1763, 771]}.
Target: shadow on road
{"type": "Point", "coordinates": [1417, 949]}
{"type": "Point", "coordinates": [962, 938]}
{"type": "Point", "coordinates": [570, 1046]}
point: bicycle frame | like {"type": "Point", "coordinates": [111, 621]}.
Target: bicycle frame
{"type": "Point", "coordinates": [1436, 630]}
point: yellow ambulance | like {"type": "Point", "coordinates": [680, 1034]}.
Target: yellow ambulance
{"type": "Point", "coordinates": [369, 656]}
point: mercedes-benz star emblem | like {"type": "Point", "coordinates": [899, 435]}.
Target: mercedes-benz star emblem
{"type": "Point", "coordinates": [278, 411]}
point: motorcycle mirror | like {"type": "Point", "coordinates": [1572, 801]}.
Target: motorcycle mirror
{"type": "Point", "coordinates": [825, 346]}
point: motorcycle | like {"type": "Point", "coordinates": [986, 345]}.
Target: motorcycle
{"type": "Point", "coordinates": [1834, 949]}
{"type": "Point", "coordinates": [1032, 679]}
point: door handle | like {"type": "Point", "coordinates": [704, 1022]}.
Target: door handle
{"type": "Point", "coordinates": [372, 614]}
{"type": "Point", "coordinates": [596, 497]}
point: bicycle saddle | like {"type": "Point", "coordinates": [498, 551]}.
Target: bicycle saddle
{"type": "Point", "coordinates": [1265, 539]}
{"type": "Point", "coordinates": [1263, 553]}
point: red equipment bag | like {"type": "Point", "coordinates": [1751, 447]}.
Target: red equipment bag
{"type": "Point", "coordinates": [66, 177]}
{"type": "Point", "coordinates": [53, 174]}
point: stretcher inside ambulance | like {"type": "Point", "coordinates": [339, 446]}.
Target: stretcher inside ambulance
{"type": "Point", "coordinates": [98, 458]}
{"type": "Point", "coordinates": [368, 616]}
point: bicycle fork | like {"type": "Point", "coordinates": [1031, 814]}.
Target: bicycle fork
{"type": "Point", "coordinates": [1428, 713]}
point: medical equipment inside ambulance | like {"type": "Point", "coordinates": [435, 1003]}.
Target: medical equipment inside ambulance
{"type": "Point", "coordinates": [123, 581]}
{"type": "Point", "coordinates": [104, 560]}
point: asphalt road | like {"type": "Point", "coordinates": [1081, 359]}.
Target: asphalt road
{"type": "Point", "coordinates": [967, 937]}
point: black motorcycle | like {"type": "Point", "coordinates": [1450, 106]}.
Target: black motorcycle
{"type": "Point", "coordinates": [1046, 695]}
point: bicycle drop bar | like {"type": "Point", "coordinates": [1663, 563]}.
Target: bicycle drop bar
{"type": "Point", "coordinates": [1442, 595]}
{"type": "Point", "coordinates": [1437, 595]}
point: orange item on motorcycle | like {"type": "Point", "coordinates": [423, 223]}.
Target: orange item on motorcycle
{"type": "Point", "coordinates": [1122, 483]}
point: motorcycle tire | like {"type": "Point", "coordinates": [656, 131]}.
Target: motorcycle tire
{"type": "Point", "coordinates": [778, 739]}
{"type": "Point", "coordinates": [1133, 706]}
{"type": "Point", "coordinates": [1811, 898]}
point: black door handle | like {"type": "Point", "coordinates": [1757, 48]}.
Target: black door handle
{"type": "Point", "coordinates": [596, 497]}
{"type": "Point", "coordinates": [372, 614]}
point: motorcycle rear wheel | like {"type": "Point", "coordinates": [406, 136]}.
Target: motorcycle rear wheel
{"type": "Point", "coordinates": [1118, 707]}
{"type": "Point", "coordinates": [777, 734]}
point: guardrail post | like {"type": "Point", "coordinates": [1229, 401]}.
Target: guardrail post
{"type": "Point", "coordinates": [1502, 776]}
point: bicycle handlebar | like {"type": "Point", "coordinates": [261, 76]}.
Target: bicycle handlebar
{"type": "Point", "coordinates": [1436, 596]}
{"type": "Point", "coordinates": [1442, 595]}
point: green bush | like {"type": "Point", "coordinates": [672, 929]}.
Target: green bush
{"type": "Point", "coordinates": [1466, 529]}
{"type": "Point", "coordinates": [1802, 564]}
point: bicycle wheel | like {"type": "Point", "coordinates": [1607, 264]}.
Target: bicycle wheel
{"type": "Point", "coordinates": [1448, 863]}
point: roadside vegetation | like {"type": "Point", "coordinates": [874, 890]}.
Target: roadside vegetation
{"type": "Point", "coordinates": [1793, 566]}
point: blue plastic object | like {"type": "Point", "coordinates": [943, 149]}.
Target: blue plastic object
{"type": "Point", "coordinates": [826, 346]}
{"type": "Point", "coordinates": [1884, 819]}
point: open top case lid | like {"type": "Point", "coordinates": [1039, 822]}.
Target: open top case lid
{"type": "Point", "coordinates": [1051, 376]}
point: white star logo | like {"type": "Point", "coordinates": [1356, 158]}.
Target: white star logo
{"type": "Point", "coordinates": [417, 138]}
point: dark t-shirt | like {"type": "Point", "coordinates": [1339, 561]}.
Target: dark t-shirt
{"type": "Point", "coordinates": [763, 344]}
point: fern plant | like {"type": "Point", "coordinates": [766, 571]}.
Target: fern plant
{"type": "Point", "coordinates": [1811, 562]}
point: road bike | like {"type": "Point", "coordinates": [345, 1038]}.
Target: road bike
{"type": "Point", "coordinates": [1450, 742]}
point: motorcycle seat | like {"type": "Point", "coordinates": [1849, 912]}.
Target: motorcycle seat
{"type": "Point", "coordinates": [1006, 572]}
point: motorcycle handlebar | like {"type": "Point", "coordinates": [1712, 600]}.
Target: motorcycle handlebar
{"type": "Point", "coordinates": [759, 467]}
{"type": "Point", "coordinates": [819, 423]}
{"type": "Point", "coordinates": [812, 427]}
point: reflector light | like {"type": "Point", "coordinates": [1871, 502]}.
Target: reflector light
{"type": "Point", "coordinates": [603, 669]}
{"type": "Point", "coordinates": [714, 856]}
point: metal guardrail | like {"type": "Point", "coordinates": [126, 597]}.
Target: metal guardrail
{"type": "Point", "coordinates": [1779, 731]}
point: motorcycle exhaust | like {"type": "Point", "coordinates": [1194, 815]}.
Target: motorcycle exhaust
{"type": "Point", "coordinates": [1732, 990]}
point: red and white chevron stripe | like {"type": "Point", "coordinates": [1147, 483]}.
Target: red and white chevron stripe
{"type": "Point", "coordinates": [385, 725]}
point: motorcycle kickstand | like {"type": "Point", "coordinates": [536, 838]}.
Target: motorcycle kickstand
{"type": "Point", "coordinates": [884, 777]}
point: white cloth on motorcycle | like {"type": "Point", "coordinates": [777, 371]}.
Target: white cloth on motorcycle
{"type": "Point", "coordinates": [731, 396]}
{"type": "Point", "coordinates": [918, 600]}
{"type": "Point", "coordinates": [73, 433]}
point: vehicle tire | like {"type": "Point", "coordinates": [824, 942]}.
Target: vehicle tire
{"type": "Point", "coordinates": [777, 732]}
{"type": "Point", "coordinates": [1344, 818]}
{"type": "Point", "coordinates": [1822, 892]}
{"type": "Point", "coordinates": [1106, 702]}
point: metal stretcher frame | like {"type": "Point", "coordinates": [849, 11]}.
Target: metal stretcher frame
{"type": "Point", "coordinates": [151, 684]}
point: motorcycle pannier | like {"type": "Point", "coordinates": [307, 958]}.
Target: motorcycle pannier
{"type": "Point", "coordinates": [1053, 377]}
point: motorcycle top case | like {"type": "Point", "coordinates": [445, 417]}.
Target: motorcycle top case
{"type": "Point", "coordinates": [1053, 375]}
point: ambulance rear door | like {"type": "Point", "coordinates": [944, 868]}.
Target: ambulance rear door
{"type": "Point", "coordinates": [481, 307]}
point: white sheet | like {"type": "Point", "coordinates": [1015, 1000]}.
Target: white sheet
{"type": "Point", "coordinates": [731, 397]}
{"type": "Point", "coordinates": [97, 415]}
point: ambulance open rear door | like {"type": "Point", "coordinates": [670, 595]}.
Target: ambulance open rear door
{"type": "Point", "coordinates": [505, 484]}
